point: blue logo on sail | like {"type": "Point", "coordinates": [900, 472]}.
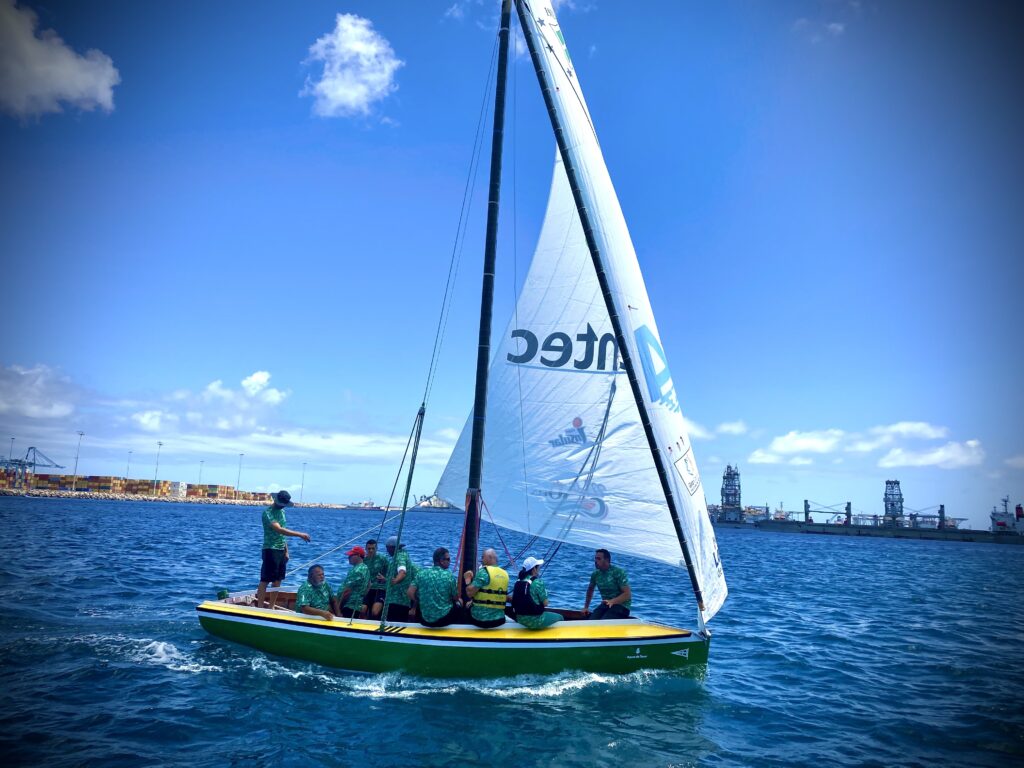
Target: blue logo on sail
{"type": "Point", "coordinates": [655, 367]}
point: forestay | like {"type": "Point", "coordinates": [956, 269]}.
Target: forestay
{"type": "Point", "coordinates": [565, 454]}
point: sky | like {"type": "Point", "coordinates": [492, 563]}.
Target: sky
{"type": "Point", "coordinates": [227, 228]}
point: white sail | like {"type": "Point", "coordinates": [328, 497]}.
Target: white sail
{"type": "Point", "coordinates": [565, 454]}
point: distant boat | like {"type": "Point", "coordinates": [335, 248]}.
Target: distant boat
{"type": "Point", "coordinates": [598, 457]}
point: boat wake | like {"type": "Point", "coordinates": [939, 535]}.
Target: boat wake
{"type": "Point", "coordinates": [145, 651]}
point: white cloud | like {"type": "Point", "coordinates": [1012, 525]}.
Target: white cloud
{"type": "Point", "coordinates": [39, 72]}
{"type": "Point", "coordinates": [821, 441]}
{"type": "Point", "coordinates": [448, 434]}
{"type": "Point", "coordinates": [732, 428]}
{"type": "Point", "coordinates": [800, 461]}
{"type": "Point", "coordinates": [153, 421]}
{"type": "Point", "coordinates": [761, 456]}
{"type": "Point", "coordinates": [1017, 462]}
{"type": "Point", "coordinates": [835, 28]}
{"type": "Point", "coordinates": [455, 11]}
{"type": "Point", "coordinates": [885, 435]}
{"type": "Point", "coordinates": [256, 382]}
{"type": "Point", "coordinates": [949, 456]}
{"type": "Point", "coordinates": [359, 68]}
{"type": "Point", "coordinates": [35, 393]}
{"type": "Point", "coordinates": [697, 431]}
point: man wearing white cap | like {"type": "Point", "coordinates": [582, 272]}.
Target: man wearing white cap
{"type": "Point", "coordinates": [530, 597]}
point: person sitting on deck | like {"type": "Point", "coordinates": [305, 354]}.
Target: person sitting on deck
{"type": "Point", "coordinates": [398, 570]}
{"type": "Point", "coordinates": [613, 584]}
{"type": "Point", "coordinates": [530, 597]}
{"type": "Point", "coordinates": [275, 548]}
{"type": "Point", "coordinates": [352, 599]}
{"type": "Point", "coordinates": [377, 565]}
{"type": "Point", "coordinates": [315, 596]}
{"type": "Point", "coordinates": [489, 590]}
{"type": "Point", "coordinates": [434, 588]}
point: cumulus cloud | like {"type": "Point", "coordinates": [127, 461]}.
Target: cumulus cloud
{"type": "Point", "coordinates": [697, 431]}
{"type": "Point", "coordinates": [821, 441]}
{"type": "Point", "coordinates": [153, 421]}
{"type": "Point", "coordinates": [35, 393]}
{"type": "Point", "coordinates": [39, 72]}
{"type": "Point", "coordinates": [882, 436]}
{"type": "Point", "coordinates": [732, 428]}
{"type": "Point", "coordinates": [952, 455]}
{"type": "Point", "coordinates": [359, 68]}
{"type": "Point", "coordinates": [761, 456]}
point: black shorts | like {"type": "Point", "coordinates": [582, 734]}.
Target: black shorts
{"type": "Point", "coordinates": [274, 565]}
{"type": "Point", "coordinates": [374, 596]}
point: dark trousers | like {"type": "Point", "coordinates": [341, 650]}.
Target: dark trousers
{"type": "Point", "coordinates": [398, 612]}
{"type": "Point", "coordinates": [491, 624]}
{"type": "Point", "coordinates": [454, 616]}
{"type": "Point", "coordinates": [609, 612]}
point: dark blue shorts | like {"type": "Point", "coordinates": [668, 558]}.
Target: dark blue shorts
{"type": "Point", "coordinates": [274, 565]}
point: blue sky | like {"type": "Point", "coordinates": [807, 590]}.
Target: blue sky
{"type": "Point", "coordinates": [224, 231]}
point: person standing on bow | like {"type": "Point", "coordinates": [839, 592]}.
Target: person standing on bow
{"type": "Point", "coordinates": [436, 594]}
{"type": "Point", "coordinates": [397, 590]}
{"type": "Point", "coordinates": [315, 596]}
{"type": "Point", "coordinates": [613, 584]}
{"type": "Point", "coordinates": [352, 600]}
{"type": "Point", "coordinates": [377, 565]}
{"type": "Point", "coordinates": [275, 548]}
{"type": "Point", "coordinates": [530, 597]}
{"type": "Point", "coordinates": [489, 591]}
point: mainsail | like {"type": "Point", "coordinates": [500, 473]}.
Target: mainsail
{"type": "Point", "coordinates": [566, 455]}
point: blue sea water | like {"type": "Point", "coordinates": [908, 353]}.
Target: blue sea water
{"type": "Point", "coordinates": [829, 651]}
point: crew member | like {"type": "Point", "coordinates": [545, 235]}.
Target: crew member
{"type": "Point", "coordinates": [530, 597]}
{"type": "Point", "coordinates": [352, 599]}
{"type": "Point", "coordinates": [435, 592]}
{"type": "Point", "coordinates": [315, 597]}
{"type": "Point", "coordinates": [489, 591]}
{"type": "Point", "coordinates": [613, 584]}
{"type": "Point", "coordinates": [275, 548]}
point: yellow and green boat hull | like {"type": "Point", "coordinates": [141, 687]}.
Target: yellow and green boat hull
{"type": "Point", "coordinates": [614, 647]}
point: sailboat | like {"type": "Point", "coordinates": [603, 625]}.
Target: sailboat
{"type": "Point", "coordinates": [585, 441]}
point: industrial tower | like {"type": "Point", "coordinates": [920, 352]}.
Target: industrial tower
{"type": "Point", "coordinates": [732, 511]}
{"type": "Point", "coordinates": [893, 503]}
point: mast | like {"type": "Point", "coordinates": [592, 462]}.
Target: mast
{"type": "Point", "coordinates": [471, 530]}
{"type": "Point", "coordinates": [522, 9]}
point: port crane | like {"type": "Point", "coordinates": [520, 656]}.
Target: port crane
{"type": "Point", "coordinates": [22, 467]}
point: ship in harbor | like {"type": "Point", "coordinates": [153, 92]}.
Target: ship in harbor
{"type": "Point", "coordinates": [731, 513]}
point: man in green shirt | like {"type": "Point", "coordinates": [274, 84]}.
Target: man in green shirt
{"type": "Point", "coordinates": [377, 565]}
{"type": "Point", "coordinates": [315, 596]}
{"type": "Point", "coordinates": [399, 579]}
{"type": "Point", "coordinates": [275, 549]}
{"type": "Point", "coordinates": [489, 590]}
{"type": "Point", "coordinates": [613, 584]}
{"type": "Point", "coordinates": [352, 599]}
{"type": "Point", "coordinates": [434, 589]}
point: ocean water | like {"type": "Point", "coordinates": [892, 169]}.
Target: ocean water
{"type": "Point", "coordinates": [829, 651]}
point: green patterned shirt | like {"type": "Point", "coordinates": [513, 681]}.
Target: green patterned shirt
{"type": "Point", "coordinates": [539, 593]}
{"type": "Point", "coordinates": [376, 564]}
{"type": "Point", "coordinates": [271, 538]}
{"type": "Point", "coordinates": [435, 592]}
{"type": "Point", "coordinates": [610, 583]}
{"type": "Point", "coordinates": [479, 612]}
{"type": "Point", "coordinates": [397, 592]}
{"type": "Point", "coordinates": [358, 580]}
{"type": "Point", "coordinates": [315, 597]}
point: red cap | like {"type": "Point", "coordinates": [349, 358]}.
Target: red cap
{"type": "Point", "coordinates": [356, 551]}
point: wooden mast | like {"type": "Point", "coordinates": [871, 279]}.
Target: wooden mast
{"type": "Point", "coordinates": [471, 531]}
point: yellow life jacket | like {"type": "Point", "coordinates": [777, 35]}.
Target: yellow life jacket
{"type": "Point", "coordinates": [495, 593]}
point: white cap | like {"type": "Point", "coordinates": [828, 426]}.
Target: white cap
{"type": "Point", "coordinates": [531, 562]}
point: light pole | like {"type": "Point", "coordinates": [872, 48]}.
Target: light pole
{"type": "Point", "coordinates": [238, 481]}
{"type": "Point", "coordinates": [128, 466]}
{"type": "Point", "coordinates": [200, 472]}
{"type": "Point", "coordinates": [303, 486]}
{"type": "Point", "coordinates": [74, 482]}
{"type": "Point", "coordinates": [156, 471]}
{"type": "Point", "coordinates": [11, 454]}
